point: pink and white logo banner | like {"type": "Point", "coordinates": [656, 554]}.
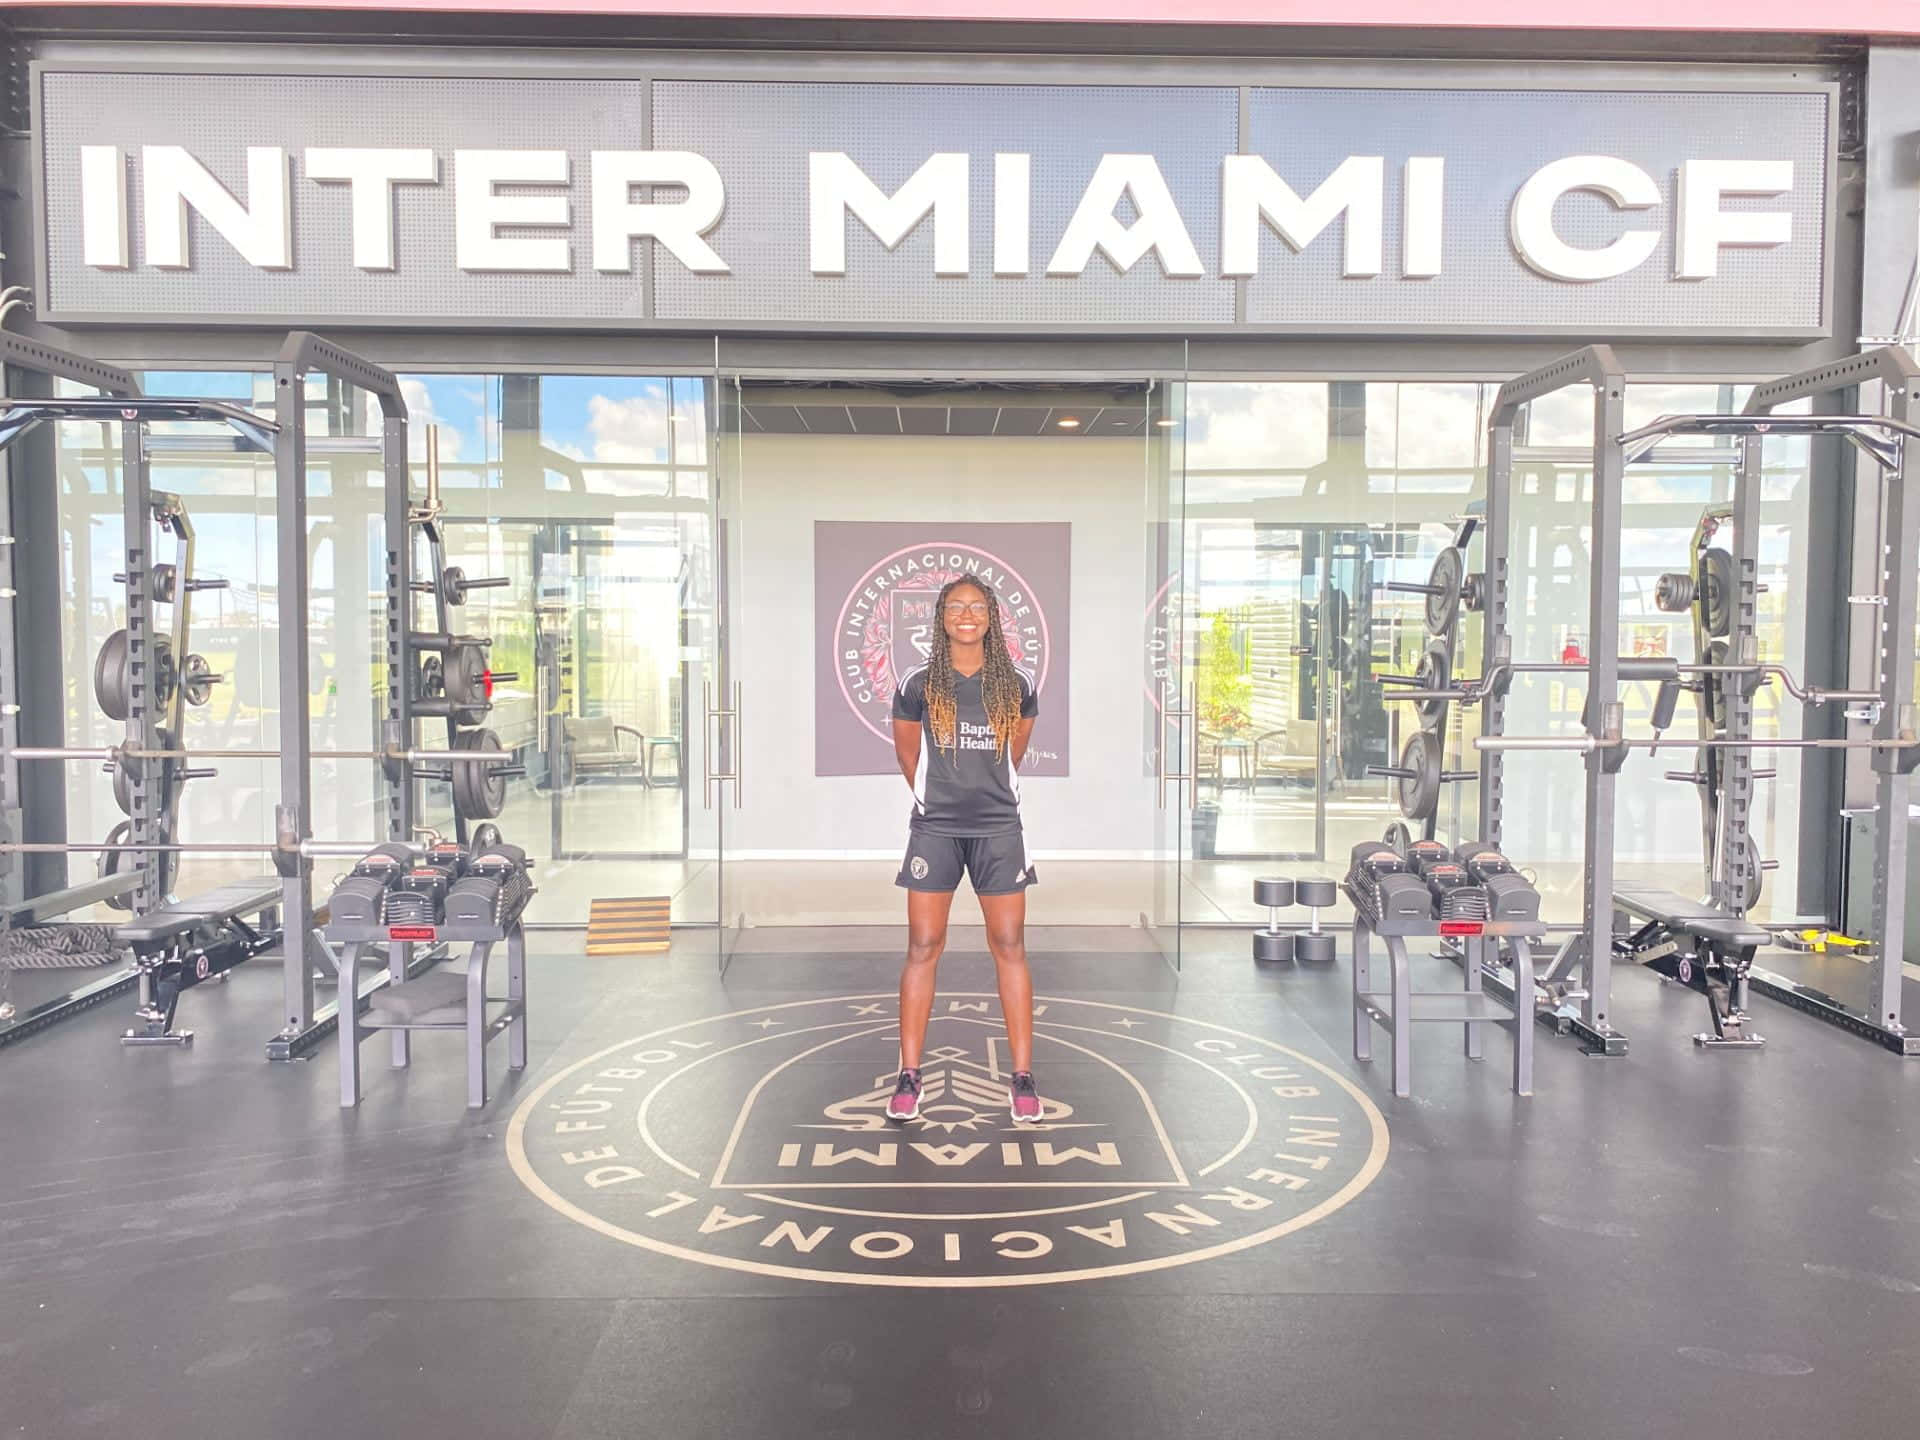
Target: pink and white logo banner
{"type": "Point", "coordinates": [875, 585]}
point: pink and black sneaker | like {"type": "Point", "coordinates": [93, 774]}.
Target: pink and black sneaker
{"type": "Point", "coordinates": [1023, 1099]}
{"type": "Point", "coordinates": [905, 1104]}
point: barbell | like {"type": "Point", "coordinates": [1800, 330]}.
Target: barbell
{"type": "Point", "coordinates": [395, 756]}
{"type": "Point", "coordinates": [1587, 744]}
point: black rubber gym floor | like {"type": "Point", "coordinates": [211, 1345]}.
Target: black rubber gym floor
{"type": "Point", "coordinates": [196, 1243]}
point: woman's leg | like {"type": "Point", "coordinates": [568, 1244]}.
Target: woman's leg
{"type": "Point", "coordinates": [1006, 917]}
{"type": "Point", "coordinates": [926, 938]}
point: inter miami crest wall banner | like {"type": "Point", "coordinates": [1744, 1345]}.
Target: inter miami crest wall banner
{"type": "Point", "coordinates": [874, 590]}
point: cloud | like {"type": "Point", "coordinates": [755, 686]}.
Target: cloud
{"type": "Point", "coordinates": [420, 414]}
{"type": "Point", "coordinates": [632, 430]}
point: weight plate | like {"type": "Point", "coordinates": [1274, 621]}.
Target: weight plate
{"type": "Point", "coordinates": [1748, 895]}
{"type": "Point", "coordinates": [1398, 838]}
{"type": "Point", "coordinates": [433, 682]}
{"type": "Point", "coordinates": [1673, 592]}
{"type": "Point", "coordinates": [1420, 789]}
{"type": "Point", "coordinates": [1273, 892]}
{"type": "Point", "coordinates": [196, 680]}
{"type": "Point", "coordinates": [163, 582]}
{"type": "Point", "coordinates": [1716, 590]}
{"type": "Point", "coordinates": [1271, 949]}
{"type": "Point", "coordinates": [464, 675]}
{"type": "Point", "coordinates": [1473, 593]}
{"type": "Point", "coordinates": [110, 678]}
{"type": "Point", "coordinates": [1435, 672]}
{"type": "Point", "coordinates": [113, 861]}
{"type": "Point", "coordinates": [1443, 586]}
{"type": "Point", "coordinates": [479, 791]}
{"type": "Point", "coordinates": [485, 838]}
{"type": "Point", "coordinates": [453, 585]}
{"type": "Point", "coordinates": [1316, 893]}
{"type": "Point", "coordinates": [1712, 687]}
{"type": "Point", "coordinates": [1313, 947]}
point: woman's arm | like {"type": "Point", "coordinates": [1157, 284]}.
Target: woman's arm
{"type": "Point", "coordinates": [906, 747]}
{"type": "Point", "coordinates": [1022, 733]}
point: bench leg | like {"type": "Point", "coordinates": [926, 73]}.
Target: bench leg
{"type": "Point", "coordinates": [517, 997]}
{"type": "Point", "coordinates": [402, 1046]}
{"type": "Point", "coordinates": [1523, 1026]}
{"type": "Point", "coordinates": [348, 1006]}
{"type": "Point", "coordinates": [477, 1026]}
{"type": "Point", "coordinates": [1475, 958]}
{"type": "Point", "coordinates": [1402, 1017]}
{"type": "Point", "coordinates": [1362, 983]}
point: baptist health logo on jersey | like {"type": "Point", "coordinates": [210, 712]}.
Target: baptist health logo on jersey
{"type": "Point", "coordinates": [758, 1141]}
{"type": "Point", "coordinates": [887, 626]}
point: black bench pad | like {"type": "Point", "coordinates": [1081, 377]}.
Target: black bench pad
{"type": "Point", "coordinates": [243, 897]}
{"type": "Point", "coordinates": [1692, 917]}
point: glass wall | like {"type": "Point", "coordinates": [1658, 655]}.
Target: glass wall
{"type": "Point", "coordinates": [1306, 499]}
{"type": "Point", "coordinates": [229, 499]}
{"type": "Point", "coordinates": [594, 497]}
{"type": "Point", "coordinates": [589, 494]}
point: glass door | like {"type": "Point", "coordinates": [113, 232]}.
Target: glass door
{"type": "Point", "coordinates": [1172, 741]}
{"type": "Point", "coordinates": [591, 500]}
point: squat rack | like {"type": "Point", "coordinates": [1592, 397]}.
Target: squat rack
{"type": "Point", "coordinates": [1893, 747]}
{"type": "Point", "coordinates": [150, 842]}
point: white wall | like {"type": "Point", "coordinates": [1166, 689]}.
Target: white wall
{"type": "Point", "coordinates": [1106, 805]}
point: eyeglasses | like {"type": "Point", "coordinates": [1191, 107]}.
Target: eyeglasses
{"type": "Point", "coordinates": [976, 608]}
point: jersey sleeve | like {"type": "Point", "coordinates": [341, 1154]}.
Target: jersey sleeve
{"type": "Point", "coordinates": [910, 699]}
{"type": "Point", "coordinates": [1029, 698]}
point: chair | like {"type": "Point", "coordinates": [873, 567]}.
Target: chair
{"type": "Point", "coordinates": [597, 746]}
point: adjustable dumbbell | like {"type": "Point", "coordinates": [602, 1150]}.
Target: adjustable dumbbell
{"type": "Point", "coordinates": [1273, 944]}
{"type": "Point", "coordinates": [1316, 894]}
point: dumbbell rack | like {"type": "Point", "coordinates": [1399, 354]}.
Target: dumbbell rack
{"type": "Point", "coordinates": [1400, 1007]}
{"type": "Point", "coordinates": [468, 996]}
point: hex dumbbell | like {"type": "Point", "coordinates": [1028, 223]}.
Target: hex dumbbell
{"type": "Point", "coordinates": [1316, 894]}
{"type": "Point", "coordinates": [1273, 945]}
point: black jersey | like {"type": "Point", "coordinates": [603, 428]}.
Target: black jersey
{"type": "Point", "coordinates": [969, 789]}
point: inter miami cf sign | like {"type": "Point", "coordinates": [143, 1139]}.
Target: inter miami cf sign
{"type": "Point", "coordinates": [876, 586]}
{"type": "Point", "coordinates": [758, 1141]}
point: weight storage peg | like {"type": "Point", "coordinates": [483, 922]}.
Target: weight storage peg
{"type": "Point", "coordinates": [1316, 894]}
{"type": "Point", "coordinates": [1273, 945]}
{"type": "Point", "coordinates": [453, 585]}
{"type": "Point", "coordinates": [163, 583]}
{"type": "Point", "coordinates": [1420, 775]}
{"type": "Point", "coordinates": [1443, 590]}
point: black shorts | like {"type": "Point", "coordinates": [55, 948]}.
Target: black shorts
{"type": "Point", "coordinates": [996, 864]}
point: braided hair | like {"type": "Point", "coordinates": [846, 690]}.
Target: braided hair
{"type": "Point", "coordinates": [999, 681]}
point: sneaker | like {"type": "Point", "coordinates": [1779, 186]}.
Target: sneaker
{"type": "Point", "coordinates": [905, 1104]}
{"type": "Point", "coordinates": [1023, 1099]}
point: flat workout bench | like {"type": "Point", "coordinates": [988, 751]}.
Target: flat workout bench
{"type": "Point", "coordinates": [1698, 944]}
{"type": "Point", "coordinates": [187, 941]}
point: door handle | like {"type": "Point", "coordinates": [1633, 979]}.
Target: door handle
{"type": "Point", "coordinates": [716, 726]}
{"type": "Point", "coordinates": [1190, 775]}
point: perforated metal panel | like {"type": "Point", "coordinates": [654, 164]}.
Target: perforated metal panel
{"type": "Point", "coordinates": [1492, 141]}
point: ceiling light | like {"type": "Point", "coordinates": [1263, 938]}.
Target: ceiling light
{"type": "Point", "coordinates": [1166, 424]}
{"type": "Point", "coordinates": [1067, 422]}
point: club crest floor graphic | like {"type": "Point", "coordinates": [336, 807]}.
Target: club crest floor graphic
{"type": "Point", "coordinates": [757, 1141]}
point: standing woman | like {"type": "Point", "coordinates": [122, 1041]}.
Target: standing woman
{"type": "Point", "coordinates": [960, 728]}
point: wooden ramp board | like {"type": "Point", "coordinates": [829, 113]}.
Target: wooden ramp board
{"type": "Point", "coordinates": [629, 927]}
